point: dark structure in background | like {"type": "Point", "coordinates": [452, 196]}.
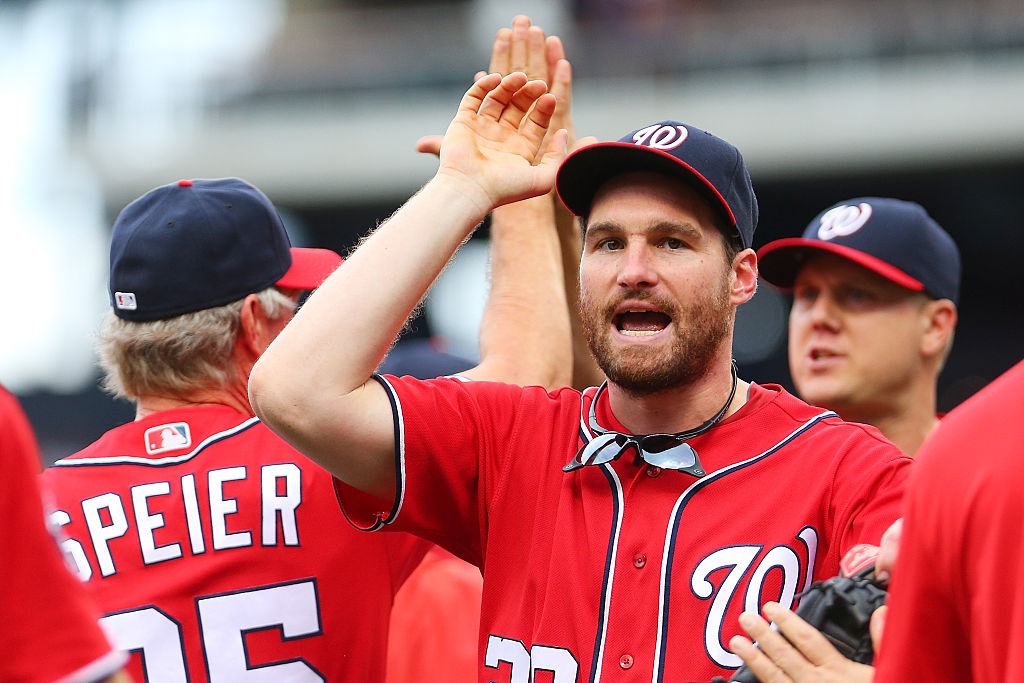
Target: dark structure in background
{"type": "Point", "coordinates": [329, 53]}
{"type": "Point", "coordinates": [978, 205]}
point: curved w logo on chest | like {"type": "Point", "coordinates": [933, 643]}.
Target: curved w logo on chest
{"type": "Point", "coordinates": [742, 587]}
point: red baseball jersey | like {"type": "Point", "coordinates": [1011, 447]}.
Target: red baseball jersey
{"type": "Point", "coordinates": [956, 603]}
{"type": "Point", "coordinates": [623, 571]}
{"type": "Point", "coordinates": [49, 623]}
{"type": "Point", "coordinates": [217, 552]}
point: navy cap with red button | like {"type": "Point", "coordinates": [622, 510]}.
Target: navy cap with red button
{"type": "Point", "coordinates": [895, 238]}
{"type": "Point", "coordinates": [197, 244]}
{"type": "Point", "coordinates": [708, 163]}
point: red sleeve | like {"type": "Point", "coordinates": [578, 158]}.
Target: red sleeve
{"type": "Point", "coordinates": [444, 474]}
{"type": "Point", "coordinates": [932, 646]}
{"type": "Point", "coordinates": [956, 601]}
{"type": "Point", "coordinates": [870, 483]}
{"type": "Point", "coordinates": [50, 627]}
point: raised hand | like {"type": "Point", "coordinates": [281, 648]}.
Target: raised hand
{"type": "Point", "coordinates": [495, 140]}
{"type": "Point", "coordinates": [525, 48]}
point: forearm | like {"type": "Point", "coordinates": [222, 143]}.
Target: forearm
{"type": "Point", "coordinates": [301, 385]}
{"type": "Point", "coordinates": [585, 372]}
{"type": "Point", "coordinates": [525, 331]}
{"type": "Point", "coordinates": [312, 385]}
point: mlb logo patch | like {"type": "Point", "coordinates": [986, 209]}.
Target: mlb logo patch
{"type": "Point", "coordinates": [125, 301]}
{"type": "Point", "coordinates": [169, 437]}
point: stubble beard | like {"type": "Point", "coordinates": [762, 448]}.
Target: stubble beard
{"type": "Point", "coordinates": [699, 332]}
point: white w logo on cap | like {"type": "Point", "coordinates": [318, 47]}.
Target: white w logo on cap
{"type": "Point", "coordinates": [843, 220]}
{"type": "Point", "coordinates": [660, 136]}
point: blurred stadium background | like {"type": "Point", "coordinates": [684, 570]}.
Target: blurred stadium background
{"type": "Point", "coordinates": [319, 104]}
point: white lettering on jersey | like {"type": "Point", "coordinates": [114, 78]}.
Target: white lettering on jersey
{"type": "Point", "coordinates": [739, 559]}
{"type": "Point", "coordinates": [843, 221]}
{"type": "Point", "coordinates": [221, 507]}
{"type": "Point", "coordinates": [780, 557]}
{"type": "Point", "coordinates": [284, 505]}
{"type": "Point", "coordinates": [809, 536]}
{"type": "Point", "coordinates": [526, 663]}
{"type": "Point", "coordinates": [508, 650]}
{"type": "Point", "coordinates": [74, 553]}
{"type": "Point", "coordinates": [156, 635]}
{"type": "Point", "coordinates": [105, 517]}
{"type": "Point", "coordinates": [100, 533]}
{"type": "Point", "coordinates": [192, 518]}
{"type": "Point", "coordinates": [225, 619]}
{"type": "Point", "coordinates": [147, 522]}
{"type": "Point", "coordinates": [223, 622]}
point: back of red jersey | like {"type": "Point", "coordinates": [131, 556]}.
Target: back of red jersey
{"type": "Point", "coordinates": [217, 552]}
{"type": "Point", "coordinates": [49, 623]}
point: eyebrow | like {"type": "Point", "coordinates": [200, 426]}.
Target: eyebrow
{"type": "Point", "coordinates": [687, 230]}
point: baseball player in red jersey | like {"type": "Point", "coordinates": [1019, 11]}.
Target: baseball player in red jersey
{"type": "Point", "coordinates": [956, 603]}
{"type": "Point", "coordinates": [953, 612]}
{"type": "Point", "coordinates": [596, 566]}
{"type": "Point", "coordinates": [49, 623]}
{"type": "Point", "coordinates": [875, 284]}
{"type": "Point", "coordinates": [216, 551]}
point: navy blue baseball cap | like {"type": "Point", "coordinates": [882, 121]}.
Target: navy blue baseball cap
{"type": "Point", "coordinates": [708, 163]}
{"type": "Point", "coordinates": [196, 244]}
{"type": "Point", "coordinates": [896, 239]}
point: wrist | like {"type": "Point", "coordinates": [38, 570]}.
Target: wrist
{"type": "Point", "coordinates": [461, 195]}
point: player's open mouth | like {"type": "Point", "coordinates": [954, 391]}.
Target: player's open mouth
{"type": "Point", "coordinates": [821, 354]}
{"type": "Point", "coordinates": [640, 323]}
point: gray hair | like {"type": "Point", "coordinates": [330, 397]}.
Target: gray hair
{"type": "Point", "coordinates": [176, 356]}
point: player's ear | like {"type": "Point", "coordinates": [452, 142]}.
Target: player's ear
{"type": "Point", "coordinates": [744, 277]}
{"type": "Point", "coordinates": [938, 320]}
{"type": "Point", "coordinates": [252, 329]}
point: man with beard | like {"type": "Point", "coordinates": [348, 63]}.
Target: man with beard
{"type": "Point", "coordinates": [595, 565]}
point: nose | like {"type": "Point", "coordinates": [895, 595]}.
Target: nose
{"type": "Point", "coordinates": [637, 271]}
{"type": "Point", "coordinates": [822, 314]}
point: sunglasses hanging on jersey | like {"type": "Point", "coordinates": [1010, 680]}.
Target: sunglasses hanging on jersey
{"type": "Point", "coordinates": [667, 451]}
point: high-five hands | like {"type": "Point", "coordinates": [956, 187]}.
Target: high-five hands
{"type": "Point", "coordinates": [495, 140]}
{"type": "Point", "coordinates": [524, 47]}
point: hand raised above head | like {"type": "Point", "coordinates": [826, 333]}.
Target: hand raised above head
{"type": "Point", "coordinates": [526, 48]}
{"type": "Point", "coordinates": [495, 140]}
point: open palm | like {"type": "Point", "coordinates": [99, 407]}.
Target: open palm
{"type": "Point", "coordinates": [497, 134]}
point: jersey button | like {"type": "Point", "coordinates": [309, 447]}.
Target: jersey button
{"type": "Point", "coordinates": [639, 560]}
{"type": "Point", "coordinates": [626, 661]}
{"type": "Point", "coordinates": [653, 471]}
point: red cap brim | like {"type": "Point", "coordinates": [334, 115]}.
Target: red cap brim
{"type": "Point", "coordinates": [779, 262]}
{"type": "Point", "coordinates": [310, 267]}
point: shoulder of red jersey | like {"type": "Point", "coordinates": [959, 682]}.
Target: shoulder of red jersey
{"type": "Point", "coordinates": [165, 438]}
{"type": "Point", "coordinates": [831, 425]}
{"type": "Point", "coordinates": [485, 390]}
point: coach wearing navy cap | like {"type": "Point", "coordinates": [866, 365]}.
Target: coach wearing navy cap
{"type": "Point", "coordinates": [875, 284]}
